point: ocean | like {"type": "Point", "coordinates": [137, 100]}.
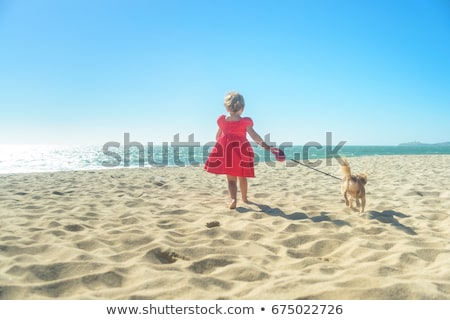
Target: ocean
{"type": "Point", "coordinates": [50, 158]}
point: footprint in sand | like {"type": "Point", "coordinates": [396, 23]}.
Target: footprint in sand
{"type": "Point", "coordinates": [163, 257]}
{"type": "Point", "coordinates": [73, 227]}
{"type": "Point", "coordinates": [209, 265]}
{"type": "Point", "coordinates": [212, 224]}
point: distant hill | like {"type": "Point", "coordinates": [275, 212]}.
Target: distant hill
{"type": "Point", "coordinates": [417, 143]}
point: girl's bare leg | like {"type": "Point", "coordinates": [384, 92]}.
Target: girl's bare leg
{"type": "Point", "coordinates": [232, 189]}
{"type": "Point", "coordinates": [243, 186]}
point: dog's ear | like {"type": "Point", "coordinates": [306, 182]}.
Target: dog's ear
{"type": "Point", "coordinates": [363, 178]}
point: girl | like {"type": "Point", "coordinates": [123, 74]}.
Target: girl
{"type": "Point", "coordinates": [232, 154]}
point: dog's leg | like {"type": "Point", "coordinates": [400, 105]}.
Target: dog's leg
{"type": "Point", "coordinates": [346, 199]}
{"type": "Point", "coordinates": [363, 204]}
{"type": "Point", "coordinates": [344, 188]}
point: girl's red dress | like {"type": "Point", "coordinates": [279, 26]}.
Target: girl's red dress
{"type": "Point", "coordinates": [232, 154]}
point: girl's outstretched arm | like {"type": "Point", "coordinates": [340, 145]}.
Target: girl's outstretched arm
{"type": "Point", "coordinates": [257, 138]}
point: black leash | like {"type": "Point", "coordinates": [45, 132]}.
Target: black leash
{"type": "Point", "coordinates": [327, 174]}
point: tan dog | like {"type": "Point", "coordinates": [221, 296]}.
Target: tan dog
{"type": "Point", "coordinates": [352, 186]}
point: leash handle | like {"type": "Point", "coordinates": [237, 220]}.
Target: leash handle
{"type": "Point", "coordinates": [278, 153]}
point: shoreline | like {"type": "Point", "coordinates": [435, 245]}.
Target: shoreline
{"type": "Point", "coordinates": [91, 158]}
{"type": "Point", "coordinates": [166, 233]}
{"type": "Point", "coordinates": [273, 163]}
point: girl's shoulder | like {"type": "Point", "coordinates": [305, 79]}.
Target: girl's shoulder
{"type": "Point", "coordinates": [221, 118]}
{"type": "Point", "coordinates": [244, 121]}
{"type": "Point", "coordinates": [247, 121]}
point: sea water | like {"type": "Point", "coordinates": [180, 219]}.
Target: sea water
{"type": "Point", "coordinates": [50, 158]}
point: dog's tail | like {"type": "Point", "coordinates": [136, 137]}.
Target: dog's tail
{"type": "Point", "coordinates": [345, 168]}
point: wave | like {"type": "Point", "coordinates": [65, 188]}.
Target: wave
{"type": "Point", "coordinates": [49, 158]}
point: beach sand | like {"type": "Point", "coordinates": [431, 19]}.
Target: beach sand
{"type": "Point", "coordinates": [166, 233]}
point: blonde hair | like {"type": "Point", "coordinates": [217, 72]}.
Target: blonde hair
{"type": "Point", "coordinates": [234, 102]}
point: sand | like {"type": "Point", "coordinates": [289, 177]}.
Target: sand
{"type": "Point", "coordinates": [166, 233]}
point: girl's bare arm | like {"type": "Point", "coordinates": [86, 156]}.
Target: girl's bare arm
{"type": "Point", "coordinates": [257, 138]}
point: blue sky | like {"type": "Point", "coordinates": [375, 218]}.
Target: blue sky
{"type": "Point", "coordinates": [84, 72]}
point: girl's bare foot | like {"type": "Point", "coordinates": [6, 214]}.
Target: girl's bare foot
{"type": "Point", "coordinates": [233, 204]}
{"type": "Point", "coordinates": [245, 200]}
